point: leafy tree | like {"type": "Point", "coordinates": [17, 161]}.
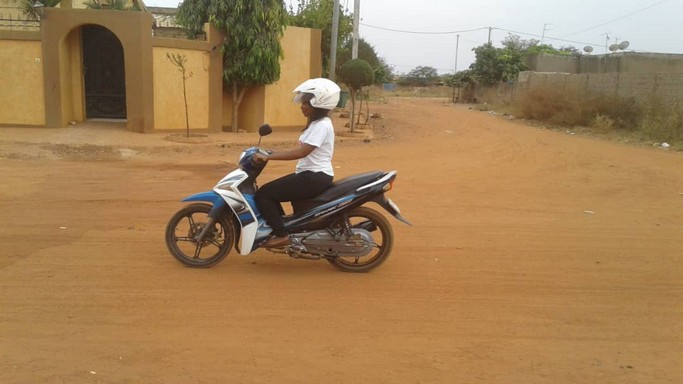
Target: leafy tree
{"type": "Point", "coordinates": [192, 14]}
{"type": "Point", "coordinates": [421, 76]}
{"type": "Point", "coordinates": [318, 14]}
{"type": "Point", "coordinates": [356, 74]}
{"type": "Point", "coordinates": [532, 46]}
{"type": "Point", "coordinates": [28, 8]}
{"type": "Point", "coordinates": [463, 82]}
{"type": "Point", "coordinates": [252, 51]}
{"type": "Point", "coordinates": [493, 65]}
{"type": "Point", "coordinates": [115, 5]}
{"type": "Point", "coordinates": [461, 78]}
{"type": "Point", "coordinates": [383, 72]}
{"type": "Point", "coordinates": [569, 50]}
{"type": "Point", "coordinates": [516, 43]}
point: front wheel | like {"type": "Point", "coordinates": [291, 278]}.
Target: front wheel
{"type": "Point", "coordinates": [184, 227]}
{"type": "Point", "coordinates": [382, 236]}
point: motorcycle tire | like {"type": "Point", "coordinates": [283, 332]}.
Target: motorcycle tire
{"type": "Point", "coordinates": [383, 236]}
{"type": "Point", "coordinates": [186, 224]}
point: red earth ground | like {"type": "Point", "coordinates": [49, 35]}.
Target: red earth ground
{"type": "Point", "coordinates": [535, 257]}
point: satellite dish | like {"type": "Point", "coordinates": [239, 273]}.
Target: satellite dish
{"type": "Point", "coordinates": [613, 47]}
{"type": "Point", "coordinates": [624, 44]}
{"type": "Point", "coordinates": [588, 49]}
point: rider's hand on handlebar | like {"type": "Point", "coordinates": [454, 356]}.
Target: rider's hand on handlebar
{"type": "Point", "coordinates": [260, 158]}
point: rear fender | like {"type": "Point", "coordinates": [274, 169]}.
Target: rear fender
{"type": "Point", "coordinates": [390, 207]}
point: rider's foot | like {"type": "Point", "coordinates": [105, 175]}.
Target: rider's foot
{"type": "Point", "coordinates": [277, 242]}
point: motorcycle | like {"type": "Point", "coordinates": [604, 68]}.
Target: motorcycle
{"type": "Point", "coordinates": [335, 226]}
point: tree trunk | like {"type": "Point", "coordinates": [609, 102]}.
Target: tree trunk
{"type": "Point", "coordinates": [237, 96]}
{"type": "Point", "coordinates": [353, 110]}
{"type": "Point", "coordinates": [360, 106]}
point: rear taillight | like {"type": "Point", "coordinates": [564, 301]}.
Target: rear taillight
{"type": "Point", "coordinates": [387, 187]}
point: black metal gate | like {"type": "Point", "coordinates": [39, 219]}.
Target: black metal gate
{"type": "Point", "coordinates": [104, 74]}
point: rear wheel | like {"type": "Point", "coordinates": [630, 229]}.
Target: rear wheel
{"type": "Point", "coordinates": [183, 229]}
{"type": "Point", "coordinates": [382, 235]}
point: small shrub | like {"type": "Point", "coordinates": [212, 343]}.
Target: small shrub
{"type": "Point", "coordinates": [549, 105]}
{"type": "Point", "coordinates": [662, 122]}
{"type": "Point", "coordinates": [568, 108]}
{"type": "Point", "coordinates": [624, 113]}
{"type": "Point", "coordinates": [602, 124]}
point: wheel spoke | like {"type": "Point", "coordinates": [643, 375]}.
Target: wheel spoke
{"type": "Point", "coordinates": [187, 224]}
{"type": "Point", "coordinates": [191, 222]}
{"type": "Point", "coordinates": [375, 249]}
{"type": "Point", "coordinates": [215, 243]}
{"type": "Point", "coordinates": [197, 250]}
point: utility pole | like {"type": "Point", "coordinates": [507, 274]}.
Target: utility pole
{"type": "Point", "coordinates": [333, 42]}
{"type": "Point", "coordinates": [455, 68]}
{"type": "Point", "coordinates": [545, 28]}
{"type": "Point", "coordinates": [457, 42]}
{"type": "Point", "coordinates": [356, 21]}
{"type": "Point", "coordinates": [490, 28]}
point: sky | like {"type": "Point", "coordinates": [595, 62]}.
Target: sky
{"type": "Point", "coordinates": [442, 33]}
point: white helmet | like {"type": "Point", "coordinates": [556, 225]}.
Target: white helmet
{"type": "Point", "coordinates": [325, 92]}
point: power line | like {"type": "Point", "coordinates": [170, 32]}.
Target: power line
{"type": "Point", "coordinates": [472, 30]}
{"type": "Point", "coordinates": [617, 19]}
{"type": "Point", "coordinates": [546, 37]}
{"type": "Point", "coordinates": [423, 32]}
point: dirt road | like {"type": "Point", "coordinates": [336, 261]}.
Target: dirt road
{"type": "Point", "coordinates": [535, 257]}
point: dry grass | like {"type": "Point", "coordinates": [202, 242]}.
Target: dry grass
{"type": "Point", "coordinates": [653, 121]}
{"type": "Point", "coordinates": [379, 93]}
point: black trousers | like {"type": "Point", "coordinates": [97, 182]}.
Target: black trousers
{"type": "Point", "coordinates": [296, 186]}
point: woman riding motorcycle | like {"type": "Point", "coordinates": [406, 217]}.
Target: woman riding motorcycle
{"type": "Point", "coordinates": [314, 172]}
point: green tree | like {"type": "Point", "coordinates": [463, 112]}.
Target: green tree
{"type": "Point", "coordinates": [463, 83]}
{"type": "Point", "coordinates": [461, 78]}
{"type": "Point", "coordinates": [252, 51]}
{"type": "Point", "coordinates": [356, 74]}
{"type": "Point", "coordinates": [421, 76]}
{"type": "Point", "coordinates": [532, 46]}
{"type": "Point", "coordinates": [115, 5]}
{"type": "Point", "coordinates": [192, 14]}
{"type": "Point", "coordinates": [493, 65]}
{"type": "Point", "coordinates": [317, 14]}
{"type": "Point", "coordinates": [383, 72]}
{"type": "Point", "coordinates": [28, 7]}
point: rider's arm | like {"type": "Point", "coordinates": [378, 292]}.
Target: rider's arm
{"type": "Point", "coordinates": [291, 154]}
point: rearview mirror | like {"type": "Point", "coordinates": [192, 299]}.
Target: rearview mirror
{"type": "Point", "coordinates": [265, 130]}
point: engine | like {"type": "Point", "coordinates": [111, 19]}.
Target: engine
{"type": "Point", "coordinates": [322, 243]}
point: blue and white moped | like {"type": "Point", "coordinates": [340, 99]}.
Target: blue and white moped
{"type": "Point", "coordinates": [336, 225]}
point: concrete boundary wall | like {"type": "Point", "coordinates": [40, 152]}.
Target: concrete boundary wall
{"type": "Point", "coordinates": [21, 76]}
{"type": "Point", "coordinates": [667, 87]}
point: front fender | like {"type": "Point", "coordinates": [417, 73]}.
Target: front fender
{"type": "Point", "coordinates": [209, 196]}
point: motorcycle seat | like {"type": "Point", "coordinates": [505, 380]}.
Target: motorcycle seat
{"type": "Point", "coordinates": [337, 189]}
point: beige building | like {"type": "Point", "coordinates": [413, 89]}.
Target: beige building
{"type": "Point", "coordinates": [79, 64]}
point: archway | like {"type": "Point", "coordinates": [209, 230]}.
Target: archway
{"type": "Point", "coordinates": [103, 73]}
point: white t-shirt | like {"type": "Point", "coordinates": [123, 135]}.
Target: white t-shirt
{"type": "Point", "coordinates": [319, 134]}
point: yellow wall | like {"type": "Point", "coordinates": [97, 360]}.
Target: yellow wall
{"type": "Point", "coordinates": [21, 71]}
{"type": "Point", "coordinates": [273, 103]}
{"type": "Point", "coordinates": [73, 101]}
{"type": "Point", "coordinates": [43, 79]}
{"type": "Point", "coordinates": [169, 105]}
{"type": "Point", "coordinates": [300, 46]}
